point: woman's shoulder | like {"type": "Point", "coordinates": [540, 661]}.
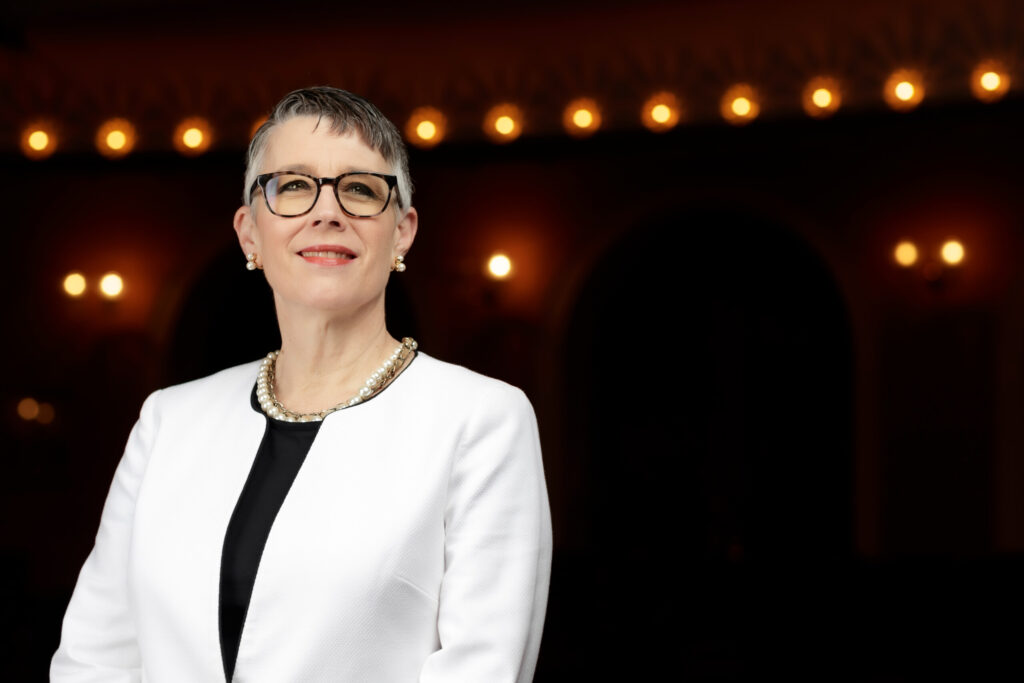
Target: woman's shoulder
{"type": "Point", "coordinates": [453, 384]}
{"type": "Point", "coordinates": [226, 384]}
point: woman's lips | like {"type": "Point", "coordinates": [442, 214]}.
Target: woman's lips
{"type": "Point", "coordinates": [328, 256]}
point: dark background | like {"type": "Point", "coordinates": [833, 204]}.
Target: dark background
{"type": "Point", "coordinates": [769, 450]}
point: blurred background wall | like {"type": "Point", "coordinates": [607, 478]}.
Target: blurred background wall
{"type": "Point", "coordinates": [764, 295]}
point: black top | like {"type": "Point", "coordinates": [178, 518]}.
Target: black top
{"type": "Point", "coordinates": [281, 454]}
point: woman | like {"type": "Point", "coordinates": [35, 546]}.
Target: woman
{"type": "Point", "coordinates": [348, 509]}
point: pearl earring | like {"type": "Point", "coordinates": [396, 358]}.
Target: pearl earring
{"type": "Point", "coordinates": [250, 261]}
{"type": "Point", "coordinates": [399, 264]}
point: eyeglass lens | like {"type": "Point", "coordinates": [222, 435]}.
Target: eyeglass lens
{"type": "Point", "coordinates": [360, 194]}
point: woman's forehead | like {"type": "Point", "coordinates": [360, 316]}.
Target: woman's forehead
{"type": "Point", "coordinates": [310, 142]}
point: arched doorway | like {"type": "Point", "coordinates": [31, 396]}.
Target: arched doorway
{"type": "Point", "coordinates": [711, 397]}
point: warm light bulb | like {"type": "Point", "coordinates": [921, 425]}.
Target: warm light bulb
{"type": "Point", "coordinates": [661, 112]}
{"type": "Point", "coordinates": [111, 285]}
{"type": "Point", "coordinates": [990, 81]}
{"type": "Point", "coordinates": [425, 127]}
{"type": "Point", "coordinates": [426, 130]}
{"type": "Point", "coordinates": [38, 140]}
{"type": "Point", "coordinates": [905, 254]}
{"type": "Point", "coordinates": [74, 284]}
{"type": "Point", "coordinates": [739, 104]}
{"type": "Point", "coordinates": [504, 125]}
{"type": "Point", "coordinates": [192, 137]}
{"type": "Point", "coordinates": [28, 409]}
{"type": "Point", "coordinates": [953, 252]}
{"type": "Point", "coordinates": [499, 266]}
{"type": "Point", "coordinates": [821, 98]}
{"type": "Point", "coordinates": [582, 118]}
{"type": "Point", "coordinates": [116, 139]}
{"type": "Point", "coordinates": [904, 91]}
{"type": "Point", "coordinates": [503, 122]}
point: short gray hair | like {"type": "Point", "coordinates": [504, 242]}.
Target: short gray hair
{"type": "Point", "coordinates": [344, 111]}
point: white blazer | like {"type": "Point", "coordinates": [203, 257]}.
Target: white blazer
{"type": "Point", "coordinates": [414, 544]}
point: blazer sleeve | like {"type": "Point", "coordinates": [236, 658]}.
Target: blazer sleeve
{"type": "Point", "coordinates": [497, 550]}
{"type": "Point", "coordinates": [98, 639]}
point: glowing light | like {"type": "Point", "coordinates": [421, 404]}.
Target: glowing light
{"type": "Point", "coordinates": [990, 81]}
{"type": "Point", "coordinates": [115, 138]}
{"type": "Point", "coordinates": [46, 414]}
{"type": "Point", "coordinates": [821, 97]}
{"type": "Point", "coordinates": [193, 136]}
{"type": "Point", "coordinates": [111, 285]}
{"type": "Point", "coordinates": [904, 90]}
{"type": "Point", "coordinates": [499, 266]}
{"type": "Point", "coordinates": [28, 409]}
{"type": "Point", "coordinates": [426, 130]}
{"type": "Point", "coordinates": [739, 104]}
{"type": "Point", "coordinates": [905, 253]}
{"type": "Point", "coordinates": [582, 117]}
{"type": "Point", "coordinates": [74, 284]}
{"type": "Point", "coordinates": [661, 112]}
{"type": "Point", "coordinates": [425, 127]}
{"type": "Point", "coordinates": [953, 252]}
{"type": "Point", "coordinates": [503, 122]}
{"type": "Point", "coordinates": [38, 141]}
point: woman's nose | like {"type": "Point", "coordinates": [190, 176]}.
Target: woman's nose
{"type": "Point", "coordinates": [327, 210]}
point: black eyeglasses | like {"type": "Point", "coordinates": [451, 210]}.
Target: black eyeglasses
{"type": "Point", "coordinates": [360, 194]}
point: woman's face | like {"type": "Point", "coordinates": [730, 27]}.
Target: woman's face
{"type": "Point", "coordinates": [325, 259]}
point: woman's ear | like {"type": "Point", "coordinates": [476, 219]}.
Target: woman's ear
{"type": "Point", "coordinates": [245, 228]}
{"type": "Point", "coordinates": [405, 232]}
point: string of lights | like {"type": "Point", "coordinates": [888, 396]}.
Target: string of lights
{"type": "Point", "coordinates": [427, 126]}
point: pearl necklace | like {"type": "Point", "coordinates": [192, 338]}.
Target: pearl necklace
{"type": "Point", "coordinates": [377, 381]}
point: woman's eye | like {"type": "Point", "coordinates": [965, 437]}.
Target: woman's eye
{"type": "Point", "coordinates": [294, 186]}
{"type": "Point", "coordinates": [360, 190]}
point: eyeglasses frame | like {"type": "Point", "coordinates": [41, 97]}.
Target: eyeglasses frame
{"type": "Point", "coordinates": [263, 178]}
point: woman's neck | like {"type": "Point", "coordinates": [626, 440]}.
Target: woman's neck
{"type": "Point", "coordinates": [326, 358]}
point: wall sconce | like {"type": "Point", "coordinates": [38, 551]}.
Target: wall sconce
{"type": "Point", "coordinates": [950, 256]}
